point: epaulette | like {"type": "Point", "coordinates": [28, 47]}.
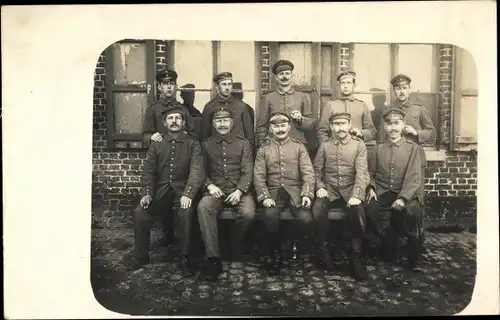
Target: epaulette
{"type": "Point", "coordinates": [356, 138]}
{"type": "Point", "coordinates": [208, 139]}
{"type": "Point", "coordinates": [264, 142]}
{"type": "Point", "coordinates": [411, 142]}
{"type": "Point", "coordinates": [334, 98]}
{"type": "Point", "coordinates": [295, 140]}
{"type": "Point", "coordinates": [357, 99]}
{"type": "Point", "coordinates": [241, 137]}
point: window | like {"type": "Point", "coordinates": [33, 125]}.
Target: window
{"type": "Point", "coordinates": [196, 62]}
{"type": "Point", "coordinates": [465, 102]}
{"type": "Point", "coordinates": [129, 90]}
{"type": "Point", "coordinates": [376, 64]}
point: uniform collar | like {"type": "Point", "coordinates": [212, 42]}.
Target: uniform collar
{"type": "Point", "coordinates": [350, 97]}
{"type": "Point", "coordinates": [224, 100]}
{"type": "Point", "coordinates": [180, 137]}
{"type": "Point", "coordinates": [282, 92]}
{"type": "Point", "coordinates": [280, 143]}
{"type": "Point", "coordinates": [397, 144]}
{"type": "Point", "coordinates": [228, 138]}
{"type": "Point", "coordinates": [345, 141]}
{"type": "Point", "coordinates": [168, 102]}
{"type": "Point", "coordinates": [406, 104]}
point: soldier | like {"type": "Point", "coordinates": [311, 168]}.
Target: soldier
{"type": "Point", "coordinates": [361, 119]}
{"type": "Point", "coordinates": [286, 100]}
{"type": "Point", "coordinates": [342, 176]}
{"type": "Point", "coordinates": [242, 123]}
{"type": "Point", "coordinates": [154, 129]}
{"type": "Point", "coordinates": [419, 127]}
{"type": "Point", "coordinates": [393, 199]}
{"type": "Point", "coordinates": [238, 93]}
{"type": "Point", "coordinates": [229, 167]}
{"type": "Point", "coordinates": [283, 175]}
{"type": "Point", "coordinates": [172, 177]}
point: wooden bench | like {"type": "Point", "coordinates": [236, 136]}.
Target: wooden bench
{"type": "Point", "coordinates": [230, 214]}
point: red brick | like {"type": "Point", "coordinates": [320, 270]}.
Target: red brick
{"type": "Point", "coordinates": [471, 181]}
{"type": "Point", "coordinates": [453, 170]}
{"type": "Point", "coordinates": [461, 187]}
{"type": "Point", "coordinates": [429, 187]}
{"type": "Point", "coordinates": [463, 170]}
{"type": "Point", "coordinates": [443, 192]}
{"type": "Point", "coordinates": [474, 187]}
{"type": "Point", "coordinates": [433, 193]}
{"type": "Point", "coordinates": [462, 193]}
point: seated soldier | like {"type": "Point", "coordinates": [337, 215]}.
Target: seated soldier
{"type": "Point", "coordinates": [342, 176]}
{"type": "Point", "coordinates": [172, 177]}
{"type": "Point", "coordinates": [393, 195]}
{"type": "Point", "coordinates": [229, 169]}
{"type": "Point", "coordinates": [283, 175]}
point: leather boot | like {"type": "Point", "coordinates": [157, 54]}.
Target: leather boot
{"type": "Point", "coordinates": [325, 256]}
{"type": "Point", "coordinates": [186, 267]}
{"type": "Point", "coordinates": [414, 249]}
{"type": "Point", "coordinates": [273, 264]}
{"type": "Point", "coordinates": [211, 269]}
{"type": "Point", "coordinates": [357, 266]}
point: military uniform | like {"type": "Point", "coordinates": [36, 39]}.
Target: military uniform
{"type": "Point", "coordinates": [229, 166]}
{"type": "Point", "coordinates": [242, 122]}
{"type": "Point", "coordinates": [153, 117]}
{"type": "Point", "coordinates": [360, 114]}
{"type": "Point", "coordinates": [283, 172]}
{"type": "Point", "coordinates": [341, 168]}
{"type": "Point", "coordinates": [396, 174]}
{"type": "Point", "coordinates": [417, 117]}
{"type": "Point", "coordinates": [285, 102]}
{"type": "Point", "coordinates": [173, 169]}
{"type": "Point", "coordinates": [239, 95]}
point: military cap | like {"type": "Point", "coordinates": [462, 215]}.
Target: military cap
{"type": "Point", "coordinates": [393, 112]}
{"type": "Point", "coordinates": [188, 86]}
{"type": "Point", "coordinates": [279, 117]}
{"type": "Point", "coordinates": [347, 73]}
{"type": "Point", "coordinates": [174, 109]}
{"type": "Point", "coordinates": [400, 79]}
{"type": "Point", "coordinates": [237, 86]}
{"type": "Point", "coordinates": [222, 112]}
{"type": "Point", "coordinates": [167, 75]}
{"type": "Point", "coordinates": [282, 65]}
{"type": "Point", "coordinates": [340, 115]}
{"type": "Point", "coordinates": [223, 76]}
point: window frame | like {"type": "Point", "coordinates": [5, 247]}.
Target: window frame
{"type": "Point", "coordinates": [149, 87]}
{"type": "Point", "coordinates": [394, 70]}
{"type": "Point", "coordinates": [460, 143]}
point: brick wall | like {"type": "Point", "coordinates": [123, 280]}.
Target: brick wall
{"type": "Point", "coordinates": [265, 68]}
{"type": "Point", "coordinates": [345, 53]}
{"type": "Point", "coordinates": [445, 80]}
{"type": "Point", "coordinates": [116, 175]}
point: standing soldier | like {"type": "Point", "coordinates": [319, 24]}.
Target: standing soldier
{"type": "Point", "coordinates": [229, 167]}
{"type": "Point", "coordinates": [394, 198]}
{"type": "Point", "coordinates": [154, 129]}
{"type": "Point", "coordinates": [172, 177]}
{"type": "Point", "coordinates": [419, 127]}
{"type": "Point", "coordinates": [283, 175]}
{"type": "Point", "coordinates": [342, 176]}
{"type": "Point", "coordinates": [242, 123]}
{"type": "Point", "coordinates": [285, 100]}
{"type": "Point", "coordinates": [361, 119]}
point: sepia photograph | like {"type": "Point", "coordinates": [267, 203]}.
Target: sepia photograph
{"type": "Point", "coordinates": [274, 178]}
{"type": "Point", "coordinates": [250, 160]}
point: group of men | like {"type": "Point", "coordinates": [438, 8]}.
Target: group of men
{"type": "Point", "coordinates": [224, 164]}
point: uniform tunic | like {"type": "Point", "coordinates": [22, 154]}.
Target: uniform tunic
{"type": "Point", "coordinates": [283, 164]}
{"type": "Point", "coordinates": [285, 102]}
{"type": "Point", "coordinates": [360, 117]}
{"type": "Point", "coordinates": [341, 168]}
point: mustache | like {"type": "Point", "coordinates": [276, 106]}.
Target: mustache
{"type": "Point", "coordinates": [224, 127]}
{"type": "Point", "coordinates": [280, 132]}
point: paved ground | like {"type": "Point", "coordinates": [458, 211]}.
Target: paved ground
{"type": "Point", "coordinates": [444, 286]}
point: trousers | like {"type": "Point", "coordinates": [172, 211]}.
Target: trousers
{"type": "Point", "coordinates": [142, 219]}
{"type": "Point", "coordinates": [389, 223]}
{"type": "Point", "coordinates": [356, 221]}
{"type": "Point", "coordinates": [208, 211]}
{"type": "Point", "coordinates": [302, 224]}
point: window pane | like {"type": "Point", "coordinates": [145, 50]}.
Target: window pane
{"type": "Point", "coordinates": [468, 72]}
{"type": "Point", "coordinates": [372, 66]}
{"type": "Point", "coordinates": [193, 63]}
{"type": "Point", "coordinates": [300, 54]}
{"type": "Point", "coordinates": [129, 111]}
{"type": "Point", "coordinates": [239, 59]}
{"type": "Point", "coordinates": [129, 60]}
{"type": "Point", "coordinates": [326, 67]}
{"type": "Point", "coordinates": [467, 124]}
{"type": "Point", "coordinates": [416, 61]}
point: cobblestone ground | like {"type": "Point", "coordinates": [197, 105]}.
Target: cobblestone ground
{"type": "Point", "coordinates": [443, 287]}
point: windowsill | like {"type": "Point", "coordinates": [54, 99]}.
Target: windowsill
{"type": "Point", "coordinates": [431, 154]}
